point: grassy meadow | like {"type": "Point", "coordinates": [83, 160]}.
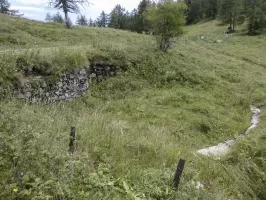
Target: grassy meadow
{"type": "Point", "coordinates": [133, 129]}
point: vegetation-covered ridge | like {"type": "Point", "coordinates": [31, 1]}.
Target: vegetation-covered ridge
{"type": "Point", "coordinates": [132, 129]}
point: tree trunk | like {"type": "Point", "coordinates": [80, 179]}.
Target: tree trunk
{"type": "Point", "coordinates": [234, 21]}
{"type": "Point", "coordinates": [68, 25]}
{"type": "Point", "coordinates": [252, 21]}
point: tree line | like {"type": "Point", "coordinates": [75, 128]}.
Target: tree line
{"type": "Point", "coordinates": [119, 18]}
{"type": "Point", "coordinates": [165, 19]}
{"type": "Point", "coordinates": [231, 12]}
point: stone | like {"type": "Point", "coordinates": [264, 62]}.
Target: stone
{"type": "Point", "coordinates": [21, 96]}
{"type": "Point", "coordinates": [83, 72]}
{"type": "Point", "coordinates": [34, 100]}
{"type": "Point", "coordinates": [44, 85]}
{"type": "Point", "coordinates": [219, 41]}
{"type": "Point", "coordinates": [71, 76]}
{"type": "Point", "coordinates": [28, 94]}
{"type": "Point", "coordinates": [69, 86]}
{"type": "Point", "coordinates": [61, 98]}
{"type": "Point", "coordinates": [93, 75]}
{"type": "Point", "coordinates": [41, 91]}
{"type": "Point", "coordinates": [60, 84]}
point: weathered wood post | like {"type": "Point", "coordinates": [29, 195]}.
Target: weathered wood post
{"type": "Point", "coordinates": [179, 171]}
{"type": "Point", "coordinates": [72, 140]}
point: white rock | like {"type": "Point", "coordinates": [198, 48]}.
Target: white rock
{"type": "Point", "coordinates": [219, 41]}
{"type": "Point", "coordinates": [224, 148]}
{"type": "Point", "coordinates": [199, 185]}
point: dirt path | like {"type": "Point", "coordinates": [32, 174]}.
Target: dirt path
{"type": "Point", "coordinates": [225, 147]}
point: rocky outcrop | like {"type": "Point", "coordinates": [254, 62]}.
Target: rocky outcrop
{"type": "Point", "coordinates": [70, 85]}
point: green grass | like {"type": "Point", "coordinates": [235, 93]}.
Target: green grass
{"type": "Point", "coordinates": [133, 129]}
{"type": "Point", "coordinates": [20, 33]}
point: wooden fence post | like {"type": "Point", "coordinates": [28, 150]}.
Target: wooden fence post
{"type": "Point", "coordinates": [179, 171]}
{"type": "Point", "coordinates": [72, 140]}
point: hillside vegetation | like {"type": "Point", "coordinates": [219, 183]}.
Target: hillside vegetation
{"type": "Point", "coordinates": [133, 129]}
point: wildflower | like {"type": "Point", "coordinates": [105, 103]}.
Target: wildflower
{"type": "Point", "coordinates": [15, 190]}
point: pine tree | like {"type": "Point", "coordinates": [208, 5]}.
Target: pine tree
{"type": "Point", "coordinates": [4, 9]}
{"type": "Point", "coordinates": [4, 6]}
{"type": "Point", "coordinates": [118, 18]}
{"type": "Point", "coordinates": [132, 20]}
{"type": "Point", "coordinates": [90, 22]}
{"type": "Point", "coordinates": [102, 20]}
{"type": "Point", "coordinates": [212, 8]}
{"type": "Point", "coordinates": [68, 6]}
{"type": "Point", "coordinates": [230, 12]}
{"type": "Point", "coordinates": [142, 22]}
{"type": "Point", "coordinates": [82, 20]}
{"type": "Point", "coordinates": [48, 17]}
{"type": "Point", "coordinates": [255, 11]}
{"type": "Point", "coordinates": [196, 10]}
{"type": "Point", "coordinates": [57, 18]}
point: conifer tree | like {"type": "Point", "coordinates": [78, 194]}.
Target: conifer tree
{"type": "Point", "coordinates": [118, 18]}
{"type": "Point", "coordinates": [255, 11]}
{"type": "Point", "coordinates": [4, 6]}
{"type": "Point", "coordinates": [102, 20]}
{"type": "Point", "coordinates": [142, 23]}
{"type": "Point", "coordinates": [90, 22]}
{"type": "Point", "coordinates": [212, 8]}
{"type": "Point", "coordinates": [230, 13]}
{"type": "Point", "coordinates": [48, 17]}
{"type": "Point", "coordinates": [82, 20]}
{"type": "Point", "coordinates": [68, 6]}
{"type": "Point", "coordinates": [57, 18]}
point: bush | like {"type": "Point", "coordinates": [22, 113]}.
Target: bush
{"type": "Point", "coordinates": [167, 20]}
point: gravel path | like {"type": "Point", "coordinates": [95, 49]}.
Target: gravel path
{"type": "Point", "coordinates": [224, 148]}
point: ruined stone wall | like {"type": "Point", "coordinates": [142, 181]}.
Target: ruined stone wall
{"type": "Point", "coordinates": [70, 85]}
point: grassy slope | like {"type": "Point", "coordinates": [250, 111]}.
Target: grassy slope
{"type": "Point", "coordinates": [132, 129]}
{"type": "Point", "coordinates": [24, 33]}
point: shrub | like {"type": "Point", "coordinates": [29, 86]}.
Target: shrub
{"type": "Point", "coordinates": [167, 20]}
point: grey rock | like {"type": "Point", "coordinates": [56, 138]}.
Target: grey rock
{"type": "Point", "coordinates": [60, 84]}
{"type": "Point", "coordinates": [71, 76]}
{"type": "Point", "coordinates": [28, 94]}
{"type": "Point", "coordinates": [93, 75]}
{"type": "Point", "coordinates": [21, 96]}
{"type": "Point", "coordinates": [69, 86]}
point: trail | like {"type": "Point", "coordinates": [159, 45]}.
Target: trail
{"type": "Point", "coordinates": [224, 148]}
